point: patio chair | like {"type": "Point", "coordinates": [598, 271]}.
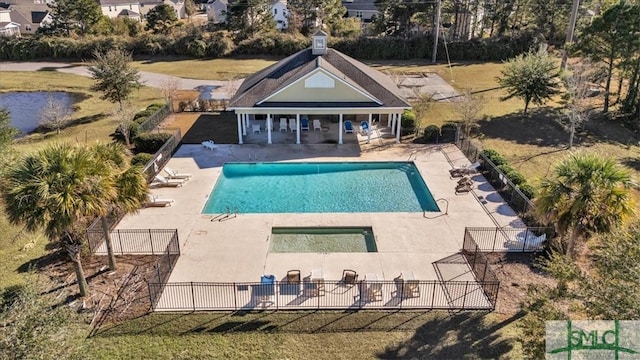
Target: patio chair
{"type": "Point", "coordinates": [209, 145]}
{"type": "Point", "coordinates": [465, 170]}
{"type": "Point", "coordinates": [292, 125]}
{"type": "Point", "coordinates": [155, 201]}
{"type": "Point", "coordinates": [267, 288]}
{"type": "Point", "coordinates": [348, 127]}
{"type": "Point", "coordinates": [176, 175]}
{"type": "Point", "coordinates": [304, 124]}
{"type": "Point", "coordinates": [364, 127]}
{"type": "Point", "coordinates": [349, 277]}
{"type": "Point", "coordinates": [161, 181]}
{"type": "Point", "coordinates": [531, 242]}
{"type": "Point", "coordinates": [463, 189]}
{"type": "Point", "coordinates": [466, 180]}
{"type": "Point", "coordinates": [293, 276]}
{"type": "Point", "coordinates": [317, 125]}
{"type": "Point", "coordinates": [256, 128]}
{"type": "Point", "coordinates": [374, 292]}
{"type": "Point", "coordinates": [283, 124]}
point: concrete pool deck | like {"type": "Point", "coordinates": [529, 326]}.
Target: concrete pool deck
{"type": "Point", "coordinates": [236, 248]}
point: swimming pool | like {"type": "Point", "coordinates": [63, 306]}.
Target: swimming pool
{"type": "Point", "coordinates": [322, 240]}
{"type": "Point", "coordinates": [320, 187]}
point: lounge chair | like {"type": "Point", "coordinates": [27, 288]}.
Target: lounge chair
{"type": "Point", "coordinates": [530, 241]}
{"type": "Point", "coordinates": [267, 288]}
{"type": "Point", "coordinates": [463, 189]}
{"type": "Point", "coordinates": [348, 127]}
{"type": "Point", "coordinates": [256, 128]}
{"type": "Point", "coordinates": [293, 276]}
{"type": "Point", "coordinates": [155, 201]}
{"type": "Point", "coordinates": [349, 277]}
{"type": "Point", "coordinates": [374, 291]}
{"type": "Point", "coordinates": [176, 175]}
{"type": "Point", "coordinates": [465, 180]}
{"type": "Point", "coordinates": [161, 181]}
{"type": "Point", "coordinates": [317, 125]}
{"type": "Point", "coordinates": [283, 124]}
{"type": "Point", "coordinates": [209, 145]}
{"type": "Point", "coordinates": [410, 286]}
{"type": "Point", "coordinates": [304, 124]}
{"type": "Point", "coordinates": [465, 170]}
{"type": "Point", "coordinates": [292, 125]}
{"type": "Point", "coordinates": [364, 127]}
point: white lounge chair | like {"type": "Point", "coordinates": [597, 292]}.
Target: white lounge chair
{"type": "Point", "coordinates": [209, 145]}
{"type": "Point", "coordinates": [317, 125]}
{"type": "Point", "coordinates": [283, 124]}
{"type": "Point", "coordinates": [531, 241]}
{"type": "Point", "coordinates": [161, 181]}
{"type": "Point", "coordinates": [292, 125]}
{"type": "Point", "coordinates": [256, 128]}
{"type": "Point", "coordinates": [176, 175]}
{"type": "Point", "coordinates": [155, 201]}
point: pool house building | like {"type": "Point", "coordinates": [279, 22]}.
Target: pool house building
{"type": "Point", "coordinates": [317, 85]}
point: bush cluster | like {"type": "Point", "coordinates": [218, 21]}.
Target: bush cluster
{"type": "Point", "coordinates": [195, 43]}
{"type": "Point", "coordinates": [445, 134]}
{"type": "Point", "coordinates": [150, 142]}
{"type": "Point", "coordinates": [510, 172]}
{"type": "Point", "coordinates": [141, 159]}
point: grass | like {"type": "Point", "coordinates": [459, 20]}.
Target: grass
{"type": "Point", "coordinates": [305, 335]}
{"type": "Point", "coordinates": [90, 121]}
{"type": "Point", "coordinates": [212, 69]}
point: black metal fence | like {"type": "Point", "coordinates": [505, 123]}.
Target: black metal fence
{"type": "Point", "coordinates": [408, 294]}
{"type": "Point", "coordinates": [469, 150]}
{"type": "Point", "coordinates": [480, 266]}
{"type": "Point", "coordinates": [132, 241]}
{"type": "Point", "coordinates": [162, 156]}
{"type": "Point", "coordinates": [489, 239]}
{"type": "Point", "coordinates": [162, 270]}
{"type": "Point", "coordinates": [95, 234]}
{"type": "Point", "coordinates": [155, 119]}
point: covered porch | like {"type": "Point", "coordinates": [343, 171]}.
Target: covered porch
{"type": "Point", "coordinates": [316, 126]}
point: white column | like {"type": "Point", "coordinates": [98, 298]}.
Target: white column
{"type": "Point", "coordinates": [398, 131]}
{"type": "Point", "coordinates": [369, 130]}
{"type": "Point", "coordinates": [389, 120]}
{"type": "Point", "coordinates": [340, 131]}
{"type": "Point", "coordinates": [244, 124]}
{"type": "Point", "coordinates": [239, 116]}
{"type": "Point", "coordinates": [298, 129]}
{"type": "Point", "coordinates": [393, 124]}
{"type": "Point", "coordinates": [269, 126]}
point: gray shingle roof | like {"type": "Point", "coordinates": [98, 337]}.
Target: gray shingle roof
{"type": "Point", "coordinates": [285, 72]}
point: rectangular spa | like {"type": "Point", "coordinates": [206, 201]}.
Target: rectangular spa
{"type": "Point", "coordinates": [322, 240]}
{"type": "Point", "coordinates": [320, 187]}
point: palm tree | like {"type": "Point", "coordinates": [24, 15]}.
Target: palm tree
{"type": "Point", "coordinates": [55, 189]}
{"type": "Point", "coordinates": [585, 194]}
{"type": "Point", "coordinates": [130, 188]}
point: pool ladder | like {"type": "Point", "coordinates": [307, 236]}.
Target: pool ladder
{"type": "Point", "coordinates": [446, 211]}
{"type": "Point", "coordinates": [227, 215]}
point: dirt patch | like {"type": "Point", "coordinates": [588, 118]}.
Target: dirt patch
{"type": "Point", "coordinates": [113, 295]}
{"type": "Point", "coordinates": [515, 272]}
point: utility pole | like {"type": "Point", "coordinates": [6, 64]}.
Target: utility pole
{"type": "Point", "coordinates": [570, 29]}
{"type": "Point", "coordinates": [435, 37]}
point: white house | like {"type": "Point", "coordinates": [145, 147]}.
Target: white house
{"type": "Point", "coordinates": [121, 8]}
{"type": "Point", "coordinates": [8, 28]}
{"type": "Point", "coordinates": [30, 16]}
{"type": "Point", "coordinates": [365, 10]}
{"type": "Point", "coordinates": [217, 12]}
{"type": "Point", "coordinates": [177, 5]}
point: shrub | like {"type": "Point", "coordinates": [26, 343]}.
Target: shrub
{"type": "Point", "coordinates": [448, 132]}
{"type": "Point", "coordinates": [431, 133]}
{"type": "Point", "coordinates": [141, 159]}
{"type": "Point", "coordinates": [528, 190]}
{"type": "Point", "coordinates": [513, 174]}
{"type": "Point", "coordinates": [150, 142]}
{"type": "Point", "coordinates": [155, 107]}
{"type": "Point", "coordinates": [494, 156]}
{"type": "Point", "coordinates": [144, 113]}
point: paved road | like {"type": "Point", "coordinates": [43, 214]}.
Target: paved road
{"type": "Point", "coordinates": [210, 89]}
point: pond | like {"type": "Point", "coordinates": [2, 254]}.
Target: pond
{"type": "Point", "coordinates": [24, 107]}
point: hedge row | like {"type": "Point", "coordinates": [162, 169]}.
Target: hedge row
{"type": "Point", "coordinates": [445, 134]}
{"type": "Point", "coordinates": [198, 44]}
{"type": "Point", "coordinates": [511, 173]}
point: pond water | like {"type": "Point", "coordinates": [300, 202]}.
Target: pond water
{"type": "Point", "coordinates": [24, 107]}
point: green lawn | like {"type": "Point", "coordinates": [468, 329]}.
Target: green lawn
{"type": "Point", "coordinates": [212, 69]}
{"type": "Point", "coordinates": [310, 335]}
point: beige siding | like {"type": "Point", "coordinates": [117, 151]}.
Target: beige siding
{"type": "Point", "coordinates": [297, 92]}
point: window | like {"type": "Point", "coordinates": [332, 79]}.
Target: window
{"type": "Point", "coordinates": [27, 27]}
{"type": "Point", "coordinates": [109, 8]}
{"type": "Point", "coordinates": [359, 14]}
{"type": "Point", "coordinates": [275, 11]}
{"type": "Point", "coordinates": [130, 7]}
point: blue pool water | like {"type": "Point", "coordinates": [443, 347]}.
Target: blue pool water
{"type": "Point", "coordinates": [320, 188]}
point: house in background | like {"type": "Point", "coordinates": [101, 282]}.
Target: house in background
{"type": "Point", "coordinates": [177, 5]}
{"type": "Point", "coordinates": [365, 10]}
{"type": "Point", "coordinates": [8, 28]}
{"type": "Point", "coordinates": [217, 12]}
{"type": "Point", "coordinates": [120, 8]}
{"type": "Point", "coordinates": [30, 16]}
